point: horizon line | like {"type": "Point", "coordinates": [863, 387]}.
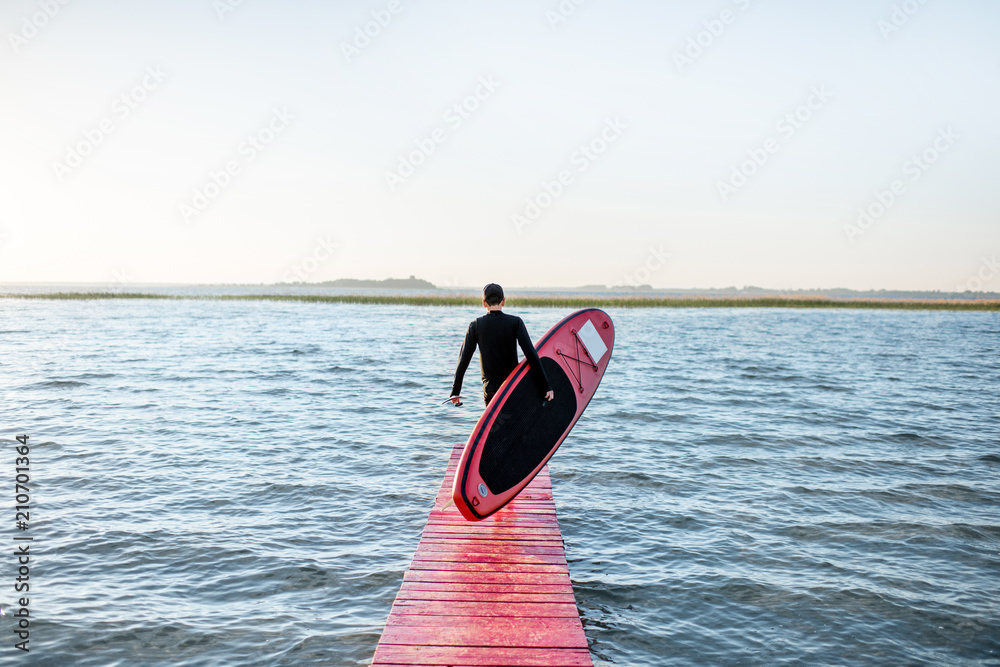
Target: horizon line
{"type": "Point", "coordinates": [645, 288]}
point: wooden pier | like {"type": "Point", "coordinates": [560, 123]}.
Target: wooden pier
{"type": "Point", "coordinates": [489, 593]}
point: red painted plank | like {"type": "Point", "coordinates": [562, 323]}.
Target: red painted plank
{"type": "Point", "coordinates": [453, 566]}
{"type": "Point", "coordinates": [486, 608]}
{"type": "Point", "coordinates": [437, 550]}
{"type": "Point", "coordinates": [493, 540]}
{"type": "Point", "coordinates": [482, 544]}
{"type": "Point", "coordinates": [477, 530]}
{"type": "Point", "coordinates": [497, 539]}
{"type": "Point", "coordinates": [498, 519]}
{"type": "Point", "coordinates": [536, 521]}
{"type": "Point", "coordinates": [386, 664]}
{"type": "Point", "coordinates": [453, 546]}
{"type": "Point", "coordinates": [513, 534]}
{"type": "Point", "coordinates": [509, 535]}
{"type": "Point", "coordinates": [465, 596]}
{"type": "Point", "coordinates": [532, 512]}
{"type": "Point", "coordinates": [495, 533]}
{"type": "Point", "coordinates": [463, 556]}
{"type": "Point", "coordinates": [485, 577]}
{"type": "Point", "coordinates": [463, 530]}
{"type": "Point", "coordinates": [533, 509]}
{"type": "Point", "coordinates": [480, 587]}
{"type": "Point", "coordinates": [473, 553]}
{"type": "Point", "coordinates": [537, 554]}
{"type": "Point", "coordinates": [475, 657]}
{"type": "Point", "coordinates": [478, 631]}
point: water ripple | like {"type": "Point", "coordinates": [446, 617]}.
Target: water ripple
{"type": "Point", "coordinates": [245, 482]}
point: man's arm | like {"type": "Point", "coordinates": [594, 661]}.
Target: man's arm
{"type": "Point", "coordinates": [464, 357]}
{"type": "Point", "coordinates": [532, 356]}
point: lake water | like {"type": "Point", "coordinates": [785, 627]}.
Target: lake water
{"type": "Point", "coordinates": [244, 483]}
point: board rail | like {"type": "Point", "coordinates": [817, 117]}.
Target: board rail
{"type": "Point", "coordinates": [488, 593]}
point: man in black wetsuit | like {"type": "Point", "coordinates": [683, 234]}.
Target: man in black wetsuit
{"type": "Point", "coordinates": [496, 333]}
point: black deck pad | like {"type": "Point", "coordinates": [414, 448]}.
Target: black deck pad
{"type": "Point", "coordinates": [527, 428]}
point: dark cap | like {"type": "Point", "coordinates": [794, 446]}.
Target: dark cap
{"type": "Point", "coordinates": [493, 294]}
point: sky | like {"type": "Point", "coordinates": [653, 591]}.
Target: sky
{"type": "Point", "coordinates": [553, 143]}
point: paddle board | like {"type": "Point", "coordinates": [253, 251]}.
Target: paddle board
{"type": "Point", "coordinates": [520, 431]}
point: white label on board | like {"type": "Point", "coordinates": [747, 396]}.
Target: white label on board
{"type": "Point", "coordinates": [592, 341]}
{"type": "Point", "coordinates": [482, 489]}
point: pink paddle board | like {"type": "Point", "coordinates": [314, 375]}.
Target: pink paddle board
{"type": "Point", "coordinates": [520, 431]}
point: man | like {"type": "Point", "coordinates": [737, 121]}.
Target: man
{"type": "Point", "coordinates": [496, 333]}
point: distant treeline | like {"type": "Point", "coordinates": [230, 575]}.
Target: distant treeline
{"type": "Point", "coordinates": [414, 283]}
{"type": "Point", "coordinates": [353, 283]}
{"type": "Point", "coordinates": [561, 302]}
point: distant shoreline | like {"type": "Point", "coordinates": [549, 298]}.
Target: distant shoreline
{"type": "Point", "coordinates": [416, 286]}
{"type": "Point", "coordinates": [556, 301]}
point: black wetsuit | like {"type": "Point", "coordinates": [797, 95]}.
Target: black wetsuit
{"type": "Point", "coordinates": [496, 334]}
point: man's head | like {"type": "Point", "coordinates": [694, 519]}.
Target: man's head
{"type": "Point", "coordinates": [493, 295]}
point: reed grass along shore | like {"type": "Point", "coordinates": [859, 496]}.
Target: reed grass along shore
{"type": "Point", "coordinates": [558, 301]}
